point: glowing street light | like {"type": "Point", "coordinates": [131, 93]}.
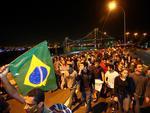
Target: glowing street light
{"type": "Point", "coordinates": [105, 33]}
{"type": "Point", "coordinates": [127, 33]}
{"type": "Point", "coordinates": [112, 5]}
{"type": "Point", "coordinates": [144, 34]}
{"type": "Point", "coordinates": [135, 34]}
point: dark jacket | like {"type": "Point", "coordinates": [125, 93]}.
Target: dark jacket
{"type": "Point", "coordinates": [87, 80]}
{"type": "Point", "coordinates": [123, 88]}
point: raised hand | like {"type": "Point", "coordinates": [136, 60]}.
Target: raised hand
{"type": "Point", "coordinates": [3, 71]}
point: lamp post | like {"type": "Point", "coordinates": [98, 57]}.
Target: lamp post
{"type": "Point", "coordinates": [127, 38]}
{"type": "Point", "coordinates": [135, 37]}
{"type": "Point", "coordinates": [112, 5]}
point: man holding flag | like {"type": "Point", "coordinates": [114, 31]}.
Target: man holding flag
{"type": "Point", "coordinates": [33, 71]}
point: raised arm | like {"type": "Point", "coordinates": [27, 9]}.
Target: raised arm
{"type": "Point", "coordinates": [11, 90]}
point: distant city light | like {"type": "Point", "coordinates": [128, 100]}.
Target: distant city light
{"type": "Point", "coordinates": [127, 33]}
{"type": "Point", "coordinates": [144, 34]}
{"type": "Point", "coordinates": [135, 34]}
{"type": "Point", "coordinates": [1, 50]}
{"type": "Point", "coordinates": [105, 33]}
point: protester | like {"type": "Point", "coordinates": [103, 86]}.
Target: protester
{"type": "Point", "coordinates": [56, 63]}
{"type": "Point", "coordinates": [70, 77]}
{"type": "Point", "coordinates": [140, 82]}
{"type": "Point", "coordinates": [122, 91]}
{"type": "Point", "coordinates": [110, 76]}
{"type": "Point", "coordinates": [86, 85]}
{"type": "Point", "coordinates": [99, 79]}
{"type": "Point", "coordinates": [64, 67]}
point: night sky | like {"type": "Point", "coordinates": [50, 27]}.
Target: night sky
{"type": "Point", "coordinates": [24, 23]}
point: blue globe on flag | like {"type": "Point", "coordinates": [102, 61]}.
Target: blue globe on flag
{"type": "Point", "coordinates": [38, 75]}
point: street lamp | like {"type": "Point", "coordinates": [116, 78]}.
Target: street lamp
{"type": "Point", "coordinates": [135, 37]}
{"type": "Point", "coordinates": [112, 5]}
{"type": "Point", "coordinates": [135, 34]}
{"type": "Point", "coordinates": [127, 34]}
{"type": "Point", "coordinates": [144, 34]}
{"type": "Point", "coordinates": [105, 33]}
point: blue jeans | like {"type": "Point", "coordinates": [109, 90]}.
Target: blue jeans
{"type": "Point", "coordinates": [124, 103]}
{"type": "Point", "coordinates": [87, 98]}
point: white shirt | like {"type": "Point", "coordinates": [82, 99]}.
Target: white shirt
{"type": "Point", "coordinates": [111, 75]}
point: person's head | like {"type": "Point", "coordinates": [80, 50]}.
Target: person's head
{"type": "Point", "coordinates": [104, 60]}
{"type": "Point", "coordinates": [68, 58]}
{"type": "Point", "coordinates": [70, 69]}
{"type": "Point", "coordinates": [139, 68]}
{"type": "Point", "coordinates": [110, 67]}
{"type": "Point", "coordinates": [83, 67]}
{"type": "Point", "coordinates": [63, 62]}
{"type": "Point", "coordinates": [96, 64]}
{"type": "Point", "coordinates": [34, 101]}
{"type": "Point", "coordinates": [120, 66]}
{"type": "Point", "coordinates": [124, 72]}
{"type": "Point", "coordinates": [4, 106]}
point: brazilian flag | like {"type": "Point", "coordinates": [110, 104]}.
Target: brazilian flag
{"type": "Point", "coordinates": [34, 69]}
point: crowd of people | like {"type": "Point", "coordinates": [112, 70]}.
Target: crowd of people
{"type": "Point", "coordinates": [117, 73]}
{"type": "Point", "coordinates": [123, 77]}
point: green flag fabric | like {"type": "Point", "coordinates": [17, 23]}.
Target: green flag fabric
{"type": "Point", "coordinates": [34, 69]}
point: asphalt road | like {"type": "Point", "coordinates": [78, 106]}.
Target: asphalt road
{"type": "Point", "coordinates": [144, 55]}
{"type": "Point", "coordinates": [60, 96]}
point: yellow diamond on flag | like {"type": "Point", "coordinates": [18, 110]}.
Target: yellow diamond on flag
{"type": "Point", "coordinates": [37, 74]}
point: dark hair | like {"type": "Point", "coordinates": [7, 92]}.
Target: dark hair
{"type": "Point", "coordinates": [124, 68]}
{"type": "Point", "coordinates": [85, 64]}
{"type": "Point", "coordinates": [110, 65]}
{"type": "Point", "coordinates": [38, 95]}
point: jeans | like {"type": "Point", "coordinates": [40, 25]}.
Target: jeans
{"type": "Point", "coordinates": [138, 102]}
{"type": "Point", "coordinates": [124, 103]}
{"type": "Point", "coordinates": [87, 98]}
